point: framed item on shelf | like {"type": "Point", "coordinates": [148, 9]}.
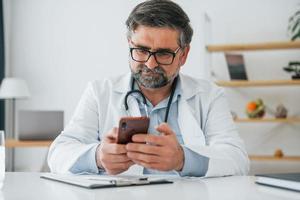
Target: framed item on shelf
{"type": "Point", "coordinates": [236, 66]}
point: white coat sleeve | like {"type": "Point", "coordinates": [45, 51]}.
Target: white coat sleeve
{"type": "Point", "coordinates": [80, 136]}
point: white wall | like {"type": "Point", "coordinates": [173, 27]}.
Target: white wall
{"type": "Point", "coordinates": [59, 45]}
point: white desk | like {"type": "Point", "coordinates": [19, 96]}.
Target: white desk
{"type": "Point", "coordinates": [19, 185]}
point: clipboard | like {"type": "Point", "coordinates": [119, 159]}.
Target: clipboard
{"type": "Point", "coordinates": [103, 181]}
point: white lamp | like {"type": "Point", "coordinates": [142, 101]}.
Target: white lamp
{"type": "Point", "coordinates": [14, 88]}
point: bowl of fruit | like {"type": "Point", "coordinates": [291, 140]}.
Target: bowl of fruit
{"type": "Point", "coordinates": [255, 109]}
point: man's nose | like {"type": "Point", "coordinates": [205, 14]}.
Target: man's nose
{"type": "Point", "coordinates": [151, 63]}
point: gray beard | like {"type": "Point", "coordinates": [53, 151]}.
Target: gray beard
{"type": "Point", "coordinates": [158, 78]}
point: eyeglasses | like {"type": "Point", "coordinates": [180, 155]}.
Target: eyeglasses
{"type": "Point", "coordinates": [162, 57]}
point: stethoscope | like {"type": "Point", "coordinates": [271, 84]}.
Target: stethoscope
{"type": "Point", "coordinates": [132, 91]}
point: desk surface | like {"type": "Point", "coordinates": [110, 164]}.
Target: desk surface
{"type": "Point", "coordinates": [23, 185]}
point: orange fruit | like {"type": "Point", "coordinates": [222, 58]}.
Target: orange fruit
{"type": "Point", "coordinates": [251, 106]}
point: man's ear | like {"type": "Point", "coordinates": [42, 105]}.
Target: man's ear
{"type": "Point", "coordinates": [184, 55]}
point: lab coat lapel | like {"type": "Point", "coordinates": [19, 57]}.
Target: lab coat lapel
{"type": "Point", "coordinates": [190, 129]}
{"type": "Point", "coordinates": [122, 86]}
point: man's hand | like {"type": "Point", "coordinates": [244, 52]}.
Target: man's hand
{"type": "Point", "coordinates": [112, 156]}
{"type": "Point", "coordinates": [161, 152]}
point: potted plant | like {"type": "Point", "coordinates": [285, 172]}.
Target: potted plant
{"type": "Point", "coordinates": [293, 67]}
{"type": "Point", "coordinates": [294, 25]}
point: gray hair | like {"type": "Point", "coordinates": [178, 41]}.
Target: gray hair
{"type": "Point", "coordinates": [161, 13]}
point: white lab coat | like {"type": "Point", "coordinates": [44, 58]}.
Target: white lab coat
{"type": "Point", "coordinates": [203, 116]}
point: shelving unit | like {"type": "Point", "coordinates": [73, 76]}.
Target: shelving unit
{"type": "Point", "coordinates": [12, 143]}
{"type": "Point", "coordinates": [266, 120]}
{"type": "Point", "coordinates": [274, 158]}
{"type": "Point", "coordinates": [254, 47]}
{"type": "Point", "coordinates": [282, 45]}
{"type": "Point", "coordinates": [258, 83]}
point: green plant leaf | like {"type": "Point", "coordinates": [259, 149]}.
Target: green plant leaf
{"type": "Point", "coordinates": [294, 17]}
{"type": "Point", "coordinates": [296, 25]}
{"type": "Point", "coordinates": [292, 25]}
{"type": "Point", "coordinates": [297, 14]}
{"type": "Point", "coordinates": [297, 35]}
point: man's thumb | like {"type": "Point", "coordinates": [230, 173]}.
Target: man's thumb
{"type": "Point", "coordinates": [165, 129]}
{"type": "Point", "coordinates": [112, 135]}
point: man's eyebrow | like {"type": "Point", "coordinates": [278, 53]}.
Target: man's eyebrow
{"type": "Point", "coordinates": [164, 49]}
{"type": "Point", "coordinates": [159, 49]}
{"type": "Point", "coordinates": [148, 48]}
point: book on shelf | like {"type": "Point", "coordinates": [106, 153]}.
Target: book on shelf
{"type": "Point", "coordinates": [236, 66]}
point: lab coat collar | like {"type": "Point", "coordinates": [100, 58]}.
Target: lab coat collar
{"type": "Point", "coordinates": [122, 84]}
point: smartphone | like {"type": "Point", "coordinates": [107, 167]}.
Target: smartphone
{"type": "Point", "coordinates": [128, 126]}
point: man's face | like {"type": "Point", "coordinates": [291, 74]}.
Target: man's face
{"type": "Point", "coordinates": [160, 71]}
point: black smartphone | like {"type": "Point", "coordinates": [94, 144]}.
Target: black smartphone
{"type": "Point", "coordinates": [128, 126]}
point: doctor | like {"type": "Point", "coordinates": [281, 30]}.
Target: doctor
{"type": "Point", "coordinates": [191, 130]}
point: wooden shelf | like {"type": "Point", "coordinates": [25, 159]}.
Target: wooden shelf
{"type": "Point", "coordinates": [277, 120]}
{"type": "Point", "coordinates": [258, 83]}
{"type": "Point", "coordinates": [12, 143]}
{"type": "Point", "coordinates": [254, 46]}
{"type": "Point", "coordinates": [273, 158]}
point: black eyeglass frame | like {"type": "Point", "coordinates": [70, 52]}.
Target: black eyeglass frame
{"type": "Point", "coordinates": [154, 54]}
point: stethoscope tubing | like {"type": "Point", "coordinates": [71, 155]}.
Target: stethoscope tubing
{"type": "Point", "coordinates": [132, 91]}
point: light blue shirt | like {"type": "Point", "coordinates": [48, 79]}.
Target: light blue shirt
{"type": "Point", "coordinates": [194, 164]}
